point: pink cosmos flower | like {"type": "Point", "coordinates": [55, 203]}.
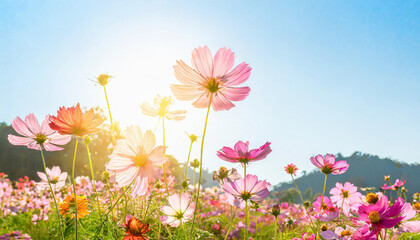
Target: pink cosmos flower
{"type": "Point", "coordinates": [242, 154]}
{"type": "Point", "coordinates": [346, 196]}
{"type": "Point", "coordinates": [136, 159]}
{"type": "Point", "coordinates": [339, 233]}
{"type": "Point", "coordinates": [35, 135]}
{"type": "Point", "coordinates": [56, 177]}
{"type": "Point", "coordinates": [327, 204]}
{"type": "Point", "coordinates": [364, 233]}
{"type": "Point", "coordinates": [162, 108]}
{"type": "Point", "coordinates": [306, 236]}
{"type": "Point", "coordinates": [180, 210]}
{"type": "Point", "coordinates": [246, 189]}
{"type": "Point", "coordinates": [210, 78]}
{"type": "Point", "coordinates": [380, 215]}
{"type": "Point", "coordinates": [395, 186]}
{"type": "Point", "coordinates": [409, 226]}
{"type": "Point", "coordinates": [291, 169]}
{"type": "Point", "coordinates": [328, 164]}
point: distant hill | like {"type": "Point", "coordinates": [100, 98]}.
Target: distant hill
{"type": "Point", "coordinates": [365, 171]}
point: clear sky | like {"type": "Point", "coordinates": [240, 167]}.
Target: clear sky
{"type": "Point", "coordinates": [328, 76]}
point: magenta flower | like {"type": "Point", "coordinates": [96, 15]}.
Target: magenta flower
{"type": "Point", "coordinates": [327, 204]}
{"type": "Point", "coordinates": [306, 236]}
{"type": "Point", "coordinates": [242, 154]}
{"type": "Point", "coordinates": [210, 77]}
{"type": "Point", "coordinates": [242, 190]}
{"type": "Point", "coordinates": [35, 135]}
{"type": "Point", "coordinates": [380, 215]}
{"type": "Point", "coordinates": [346, 196]}
{"type": "Point", "coordinates": [328, 164]}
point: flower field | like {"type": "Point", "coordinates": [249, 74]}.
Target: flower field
{"type": "Point", "coordinates": [139, 198]}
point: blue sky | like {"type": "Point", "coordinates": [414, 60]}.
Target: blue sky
{"type": "Point", "coordinates": [328, 76]}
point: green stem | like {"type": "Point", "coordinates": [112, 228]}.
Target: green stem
{"type": "Point", "coordinates": [201, 162]}
{"type": "Point", "coordinates": [188, 161]}
{"type": "Point", "coordinates": [231, 222]}
{"type": "Point", "coordinates": [301, 198]}
{"type": "Point", "coordinates": [323, 193]}
{"type": "Point", "coordinates": [52, 192]}
{"type": "Point", "coordinates": [163, 165]}
{"type": "Point", "coordinates": [275, 229]}
{"type": "Point", "coordinates": [74, 183]}
{"type": "Point", "coordinates": [246, 207]}
{"type": "Point", "coordinates": [112, 207]}
{"type": "Point", "coordinates": [93, 180]}
{"type": "Point", "coordinates": [110, 117]}
{"type": "Point", "coordinates": [185, 232]}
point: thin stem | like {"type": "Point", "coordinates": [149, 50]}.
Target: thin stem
{"type": "Point", "coordinates": [109, 192]}
{"type": "Point", "coordinates": [188, 161]}
{"type": "Point", "coordinates": [231, 222]}
{"type": "Point", "coordinates": [185, 232]}
{"type": "Point", "coordinates": [163, 165]}
{"type": "Point", "coordinates": [201, 161]}
{"type": "Point", "coordinates": [93, 180]}
{"type": "Point", "coordinates": [52, 192]}
{"type": "Point", "coordinates": [323, 193]}
{"type": "Point", "coordinates": [246, 207]}
{"type": "Point", "coordinates": [301, 198]}
{"type": "Point", "coordinates": [112, 207]}
{"type": "Point", "coordinates": [275, 228]}
{"type": "Point", "coordinates": [74, 182]}
{"type": "Point", "coordinates": [110, 117]}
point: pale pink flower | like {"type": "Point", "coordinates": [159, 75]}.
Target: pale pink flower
{"type": "Point", "coordinates": [179, 211]}
{"type": "Point", "coordinates": [35, 135]}
{"type": "Point", "coordinates": [242, 190]}
{"type": "Point", "coordinates": [136, 159]}
{"type": "Point", "coordinates": [242, 154]}
{"type": "Point", "coordinates": [56, 177]}
{"type": "Point", "coordinates": [306, 236]}
{"type": "Point", "coordinates": [339, 233]}
{"type": "Point", "coordinates": [211, 77]}
{"type": "Point", "coordinates": [346, 197]}
{"type": "Point", "coordinates": [162, 108]}
{"type": "Point", "coordinates": [328, 164]}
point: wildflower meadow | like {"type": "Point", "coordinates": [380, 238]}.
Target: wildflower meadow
{"type": "Point", "coordinates": [138, 197]}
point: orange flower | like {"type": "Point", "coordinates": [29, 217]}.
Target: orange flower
{"type": "Point", "coordinates": [135, 229]}
{"type": "Point", "coordinates": [68, 203]}
{"type": "Point", "coordinates": [72, 121]}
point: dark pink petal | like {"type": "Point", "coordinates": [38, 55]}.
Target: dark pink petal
{"type": "Point", "coordinates": [329, 158]}
{"type": "Point", "coordinates": [234, 93]}
{"type": "Point", "coordinates": [242, 149]}
{"type": "Point", "coordinates": [318, 161]}
{"type": "Point", "coordinates": [238, 75]}
{"type": "Point", "coordinates": [389, 222]}
{"type": "Point", "coordinates": [223, 62]}
{"type": "Point", "coordinates": [261, 153]}
{"type": "Point", "coordinates": [202, 61]}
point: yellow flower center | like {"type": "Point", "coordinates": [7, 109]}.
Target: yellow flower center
{"type": "Point", "coordinates": [345, 233]}
{"type": "Point", "coordinates": [40, 138]}
{"type": "Point", "coordinates": [345, 194]}
{"type": "Point", "coordinates": [374, 217]}
{"type": "Point", "coordinates": [417, 206]}
{"type": "Point", "coordinates": [140, 160]}
{"type": "Point", "coordinates": [103, 79]}
{"type": "Point", "coordinates": [371, 198]}
{"type": "Point", "coordinates": [212, 85]}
